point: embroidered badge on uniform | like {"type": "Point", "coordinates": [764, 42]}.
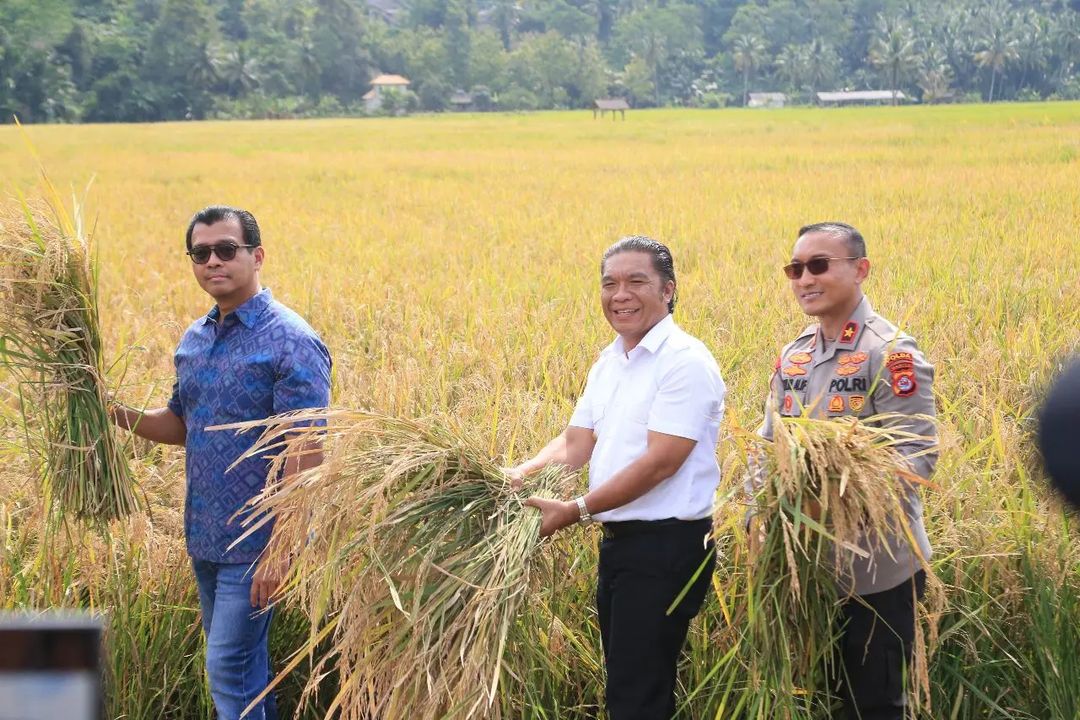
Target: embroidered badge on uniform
{"type": "Point", "coordinates": [856, 403]}
{"type": "Point", "coordinates": [849, 332]}
{"type": "Point", "coordinates": [801, 358]}
{"type": "Point", "coordinates": [788, 402]}
{"type": "Point", "coordinates": [900, 362]}
{"type": "Point", "coordinates": [903, 383]}
{"type": "Point", "coordinates": [792, 370]}
{"type": "Point", "coordinates": [836, 403]}
{"type": "Point", "coordinates": [855, 358]}
{"type": "Point", "coordinates": [845, 370]}
{"type": "Point", "coordinates": [776, 367]}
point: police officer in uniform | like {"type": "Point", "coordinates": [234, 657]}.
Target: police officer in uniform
{"type": "Point", "coordinates": [853, 362]}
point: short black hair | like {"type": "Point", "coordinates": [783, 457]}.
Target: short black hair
{"type": "Point", "coordinates": [854, 239]}
{"type": "Point", "coordinates": [662, 261]}
{"type": "Point", "coordinates": [216, 213]}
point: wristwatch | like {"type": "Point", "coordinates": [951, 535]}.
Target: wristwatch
{"type": "Point", "coordinates": [583, 512]}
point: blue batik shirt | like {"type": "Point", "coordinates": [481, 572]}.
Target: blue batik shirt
{"type": "Point", "coordinates": [263, 359]}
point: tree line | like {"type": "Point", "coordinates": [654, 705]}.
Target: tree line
{"type": "Point", "coordinates": [147, 60]}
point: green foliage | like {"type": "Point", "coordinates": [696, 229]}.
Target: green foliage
{"type": "Point", "coordinates": [139, 60]}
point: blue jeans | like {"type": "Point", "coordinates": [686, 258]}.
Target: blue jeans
{"type": "Point", "coordinates": [237, 656]}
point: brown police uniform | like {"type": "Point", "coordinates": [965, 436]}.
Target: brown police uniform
{"type": "Point", "coordinates": [872, 368]}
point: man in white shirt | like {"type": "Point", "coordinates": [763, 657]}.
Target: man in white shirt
{"type": "Point", "coordinates": [647, 424]}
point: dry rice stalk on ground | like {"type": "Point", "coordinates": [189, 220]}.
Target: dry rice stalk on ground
{"type": "Point", "coordinates": [413, 558]}
{"type": "Point", "coordinates": [50, 347]}
{"type": "Point", "coordinates": [829, 488]}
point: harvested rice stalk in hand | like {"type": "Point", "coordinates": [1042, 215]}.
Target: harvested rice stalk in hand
{"type": "Point", "coordinates": [50, 346]}
{"type": "Point", "coordinates": [829, 489]}
{"type": "Point", "coordinates": [412, 555]}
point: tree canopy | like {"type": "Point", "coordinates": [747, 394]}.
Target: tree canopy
{"type": "Point", "coordinates": [143, 60]}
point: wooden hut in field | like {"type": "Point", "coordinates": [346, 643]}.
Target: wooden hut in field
{"type": "Point", "coordinates": [603, 106]}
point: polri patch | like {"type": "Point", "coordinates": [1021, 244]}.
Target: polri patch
{"type": "Point", "coordinates": [904, 384]}
{"type": "Point", "coordinates": [900, 362]}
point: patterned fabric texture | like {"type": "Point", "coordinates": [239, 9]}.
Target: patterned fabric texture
{"type": "Point", "coordinates": [263, 359]}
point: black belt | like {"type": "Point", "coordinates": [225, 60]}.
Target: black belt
{"type": "Point", "coordinates": [627, 528]}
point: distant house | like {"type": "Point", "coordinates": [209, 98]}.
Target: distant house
{"type": "Point", "coordinates": [861, 97]}
{"type": "Point", "coordinates": [461, 101]}
{"type": "Point", "coordinates": [612, 105]}
{"type": "Point", "coordinates": [374, 97]}
{"type": "Point", "coordinates": [767, 100]}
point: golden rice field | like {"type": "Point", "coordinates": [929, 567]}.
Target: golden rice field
{"type": "Point", "coordinates": [451, 265]}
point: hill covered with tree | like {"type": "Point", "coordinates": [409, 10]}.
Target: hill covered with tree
{"type": "Point", "coordinates": [145, 60]}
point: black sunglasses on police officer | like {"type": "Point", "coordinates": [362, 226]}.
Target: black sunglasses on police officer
{"type": "Point", "coordinates": [200, 254]}
{"type": "Point", "coordinates": [816, 266]}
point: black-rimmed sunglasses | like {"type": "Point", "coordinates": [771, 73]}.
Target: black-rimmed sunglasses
{"type": "Point", "coordinates": [816, 266]}
{"type": "Point", "coordinates": [200, 254]}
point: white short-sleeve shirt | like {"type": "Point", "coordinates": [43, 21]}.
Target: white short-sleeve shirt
{"type": "Point", "coordinates": [669, 383]}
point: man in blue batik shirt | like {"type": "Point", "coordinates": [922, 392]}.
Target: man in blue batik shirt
{"type": "Point", "coordinates": [249, 358]}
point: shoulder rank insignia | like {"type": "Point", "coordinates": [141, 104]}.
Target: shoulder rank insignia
{"type": "Point", "coordinates": [836, 404]}
{"type": "Point", "coordinates": [792, 370]}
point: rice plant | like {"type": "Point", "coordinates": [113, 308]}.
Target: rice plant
{"type": "Point", "coordinates": [50, 342]}
{"type": "Point", "coordinates": [412, 555]}
{"type": "Point", "coordinates": [830, 489]}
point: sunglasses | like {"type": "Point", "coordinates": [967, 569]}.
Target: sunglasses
{"type": "Point", "coordinates": [200, 254]}
{"type": "Point", "coordinates": [816, 266]}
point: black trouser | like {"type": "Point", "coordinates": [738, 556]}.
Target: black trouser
{"type": "Point", "coordinates": [877, 638]}
{"type": "Point", "coordinates": [644, 566]}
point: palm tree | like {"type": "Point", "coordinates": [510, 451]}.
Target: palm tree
{"type": "Point", "coordinates": [791, 66]}
{"type": "Point", "coordinates": [820, 64]}
{"type": "Point", "coordinates": [998, 50]}
{"type": "Point", "coordinates": [893, 50]}
{"type": "Point", "coordinates": [935, 75]}
{"type": "Point", "coordinates": [748, 52]}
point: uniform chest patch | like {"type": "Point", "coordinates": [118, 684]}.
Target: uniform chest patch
{"type": "Point", "coordinates": [800, 358]}
{"type": "Point", "coordinates": [788, 403]}
{"type": "Point", "coordinates": [855, 358]}
{"type": "Point", "coordinates": [845, 370]}
{"type": "Point", "coordinates": [793, 370]}
{"type": "Point", "coordinates": [857, 403]}
{"type": "Point", "coordinates": [836, 404]}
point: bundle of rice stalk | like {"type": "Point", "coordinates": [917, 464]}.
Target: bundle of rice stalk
{"type": "Point", "coordinates": [830, 489]}
{"type": "Point", "coordinates": [50, 347]}
{"type": "Point", "coordinates": [412, 560]}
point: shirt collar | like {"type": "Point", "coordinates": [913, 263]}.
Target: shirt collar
{"type": "Point", "coordinates": [248, 313]}
{"type": "Point", "coordinates": [652, 340]}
